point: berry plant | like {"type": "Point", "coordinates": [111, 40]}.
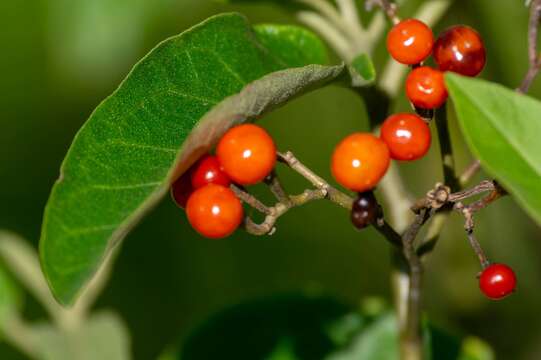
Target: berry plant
{"type": "Point", "coordinates": [183, 123]}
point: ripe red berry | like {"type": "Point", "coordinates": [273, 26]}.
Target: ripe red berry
{"type": "Point", "coordinates": [365, 210]}
{"type": "Point", "coordinates": [182, 189]}
{"type": "Point", "coordinates": [209, 171]}
{"type": "Point", "coordinates": [460, 49]}
{"type": "Point", "coordinates": [410, 41]}
{"type": "Point", "coordinates": [359, 161]}
{"type": "Point", "coordinates": [407, 136]}
{"type": "Point", "coordinates": [247, 154]}
{"type": "Point", "coordinates": [425, 88]}
{"type": "Point", "coordinates": [497, 281]}
{"type": "Point", "coordinates": [214, 211]}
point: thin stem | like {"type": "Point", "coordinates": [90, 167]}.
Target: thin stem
{"type": "Point", "coordinates": [470, 171]}
{"type": "Point", "coordinates": [411, 333]}
{"type": "Point", "coordinates": [273, 181]}
{"type": "Point", "coordinates": [389, 8]}
{"type": "Point", "coordinates": [483, 260]}
{"type": "Point", "coordinates": [19, 335]}
{"type": "Point", "coordinates": [446, 149]}
{"type": "Point", "coordinates": [388, 232]}
{"type": "Point", "coordinates": [326, 30]}
{"type": "Point", "coordinates": [331, 14]}
{"type": "Point", "coordinates": [534, 58]}
{"type": "Point", "coordinates": [250, 199]}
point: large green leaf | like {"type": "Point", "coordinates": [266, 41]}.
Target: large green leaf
{"type": "Point", "coordinates": [171, 108]}
{"type": "Point", "coordinates": [502, 128]}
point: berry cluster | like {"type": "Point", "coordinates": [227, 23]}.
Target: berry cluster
{"type": "Point", "coordinates": [245, 155]}
{"type": "Point", "coordinates": [361, 160]}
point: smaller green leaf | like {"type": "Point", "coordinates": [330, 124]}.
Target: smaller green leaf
{"type": "Point", "coordinates": [502, 128]}
{"type": "Point", "coordinates": [364, 70]}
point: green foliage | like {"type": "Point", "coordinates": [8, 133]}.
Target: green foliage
{"type": "Point", "coordinates": [299, 327]}
{"type": "Point", "coordinates": [502, 128]}
{"type": "Point", "coordinates": [102, 336]}
{"type": "Point", "coordinates": [364, 67]}
{"type": "Point", "coordinates": [156, 124]}
{"type": "Point", "coordinates": [287, 327]}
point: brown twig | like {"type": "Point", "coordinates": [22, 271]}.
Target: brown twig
{"type": "Point", "coordinates": [534, 57]}
{"type": "Point", "coordinates": [389, 8]}
{"type": "Point", "coordinates": [276, 187]}
{"type": "Point", "coordinates": [411, 332]}
{"type": "Point", "coordinates": [250, 200]}
{"type": "Point", "coordinates": [467, 212]}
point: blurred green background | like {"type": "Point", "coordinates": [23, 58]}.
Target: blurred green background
{"type": "Point", "coordinates": [60, 58]}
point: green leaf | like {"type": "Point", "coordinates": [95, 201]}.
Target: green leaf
{"type": "Point", "coordinates": [284, 327]}
{"type": "Point", "coordinates": [364, 69]}
{"type": "Point", "coordinates": [502, 128]}
{"type": "Point", "coordinates": [476, 349]}
{"type": "Point", "coordinates": [101, 336]}
{"type": "Point", "coordinates": [172, 107]}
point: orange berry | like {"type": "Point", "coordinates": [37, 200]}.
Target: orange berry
{"type": "Point", "coordinates": [410, 41]}
{"type": "Point", "coordinates": [214, 211]}
{"type": "Point", "coordinates": [425, 88]}
{"type": "Point", "coordinates": [359, 161]}
{"type": "Point", "coordinates": [407, 136]}
{"type": "Point", "coordinates": [247, 154]}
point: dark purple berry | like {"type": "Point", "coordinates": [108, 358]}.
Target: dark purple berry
{"type": "Point", "coordinates": [365, 210]}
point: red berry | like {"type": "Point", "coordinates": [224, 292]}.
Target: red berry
{"type": "Point", "coordinates": [209, 171]}
{"type": "Point", "coordinates": [247, 154]}
{"type": "Point", "coordinates": [407, 136]}
{"type": "Point", "coordinates": [460, 49]}
{"type": "Point", "coordinates": [360, 161]}
{"type": "Point", "coordinates": [497, 281]}
{"type": "Point", "coordinates": [214, 211]}
{"type": "Point", "coordinates": [425, 88]}
{"type": "Point", "coordinates": [181, 190]}
{"type": "Point", "coordinates": [410, 41]}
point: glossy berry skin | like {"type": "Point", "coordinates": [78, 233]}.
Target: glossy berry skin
{"type": "Point", "coordinates": [247, 154]}
{"type": "Point", "coordinates": [497, 281]}
{"type": "Point", "coordinates": [460, 49]}
{"type": "Point", "coordinates": [214, 211]}
{"type": "Point", "coordinates": [181, 190]}
{"type": "Point", "coordinates": [365, 210]}
{"type": "Point", "coordinates": [407, 136]}
{"type": "Point", "coordinates": [425, 88]}
{"type": "Point", "coordinates": [208, 171]}
{"type": "Point", "coordinates": [359, 161]}
{"type": "Point", "coordinates": [410, 41]}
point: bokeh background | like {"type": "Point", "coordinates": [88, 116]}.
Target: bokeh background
{"type": "Point", "coordinates": [60, 58]}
